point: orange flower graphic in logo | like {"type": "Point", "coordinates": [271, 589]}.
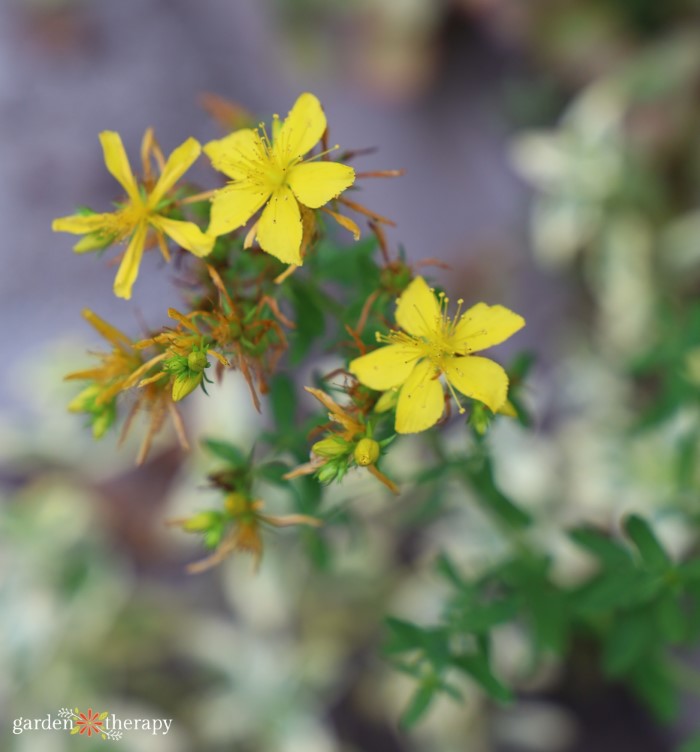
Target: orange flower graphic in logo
{"type": "Point", "coordinates": [90, 723]}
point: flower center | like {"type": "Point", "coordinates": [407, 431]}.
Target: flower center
{"type": "Point", "coordinates": [275, 175]}
{"type": "Point", "coordinates": [437, 344]}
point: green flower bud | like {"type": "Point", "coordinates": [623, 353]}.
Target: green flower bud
{"type": "Point", "coordinates": [367, 452]}
{"type": "Point", "coordinates": [176, 364]}
{"type": "Point", "coordinates": [103, 420]}
{"type": "Point", "coordinates": [186, 383]}
{"type": "Point", "coordinates": [480, 419]}
{"type": "Point", "coordinates": [197, 361]}
{"type": "Point", "coordinates": [201, 522]}
{"type": "Point", "coordinates": [328, 473]}
{"type": "Point", "coordinates": [84, 402]}
{"type": "Point", "coordinates": [331, 446]}
{"type": "Point", "coordinates": [236, 504]}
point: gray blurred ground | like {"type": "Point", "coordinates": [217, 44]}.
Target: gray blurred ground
{"type": "Point", "coordinates": [64, 76]}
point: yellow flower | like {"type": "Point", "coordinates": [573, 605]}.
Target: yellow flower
{"type": "Point", "coordinates": [273, 172]}
{"type": "Point", "coordinates": [143, 209]}
{"type": "Point", "coordinates": [431, 344]}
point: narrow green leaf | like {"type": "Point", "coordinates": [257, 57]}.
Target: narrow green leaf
{"type": "Point", "coordinates": [492, 499]}
{"type": "Point", "coordinates": [477, 667]}
{"type": "Point", "coordinates": [629, 639]}
{"type": "Point", "coordinates": [601, 546]}
{"type": "Point", "coordinates": [651, 551]}
{"type": "Point", "coordinates": [447, 569]}
{"type": "Point", "coordinates": [652, 683]}
{"type": "Point", "coordinates": [273, 472]}
{"type": "Point", "coordinates": [283, 402]}
{"type": "Point", "coordinates": [225, 451]}
{"type": "Point", "coordinates": [418, 706]}
{"type": "Point", "coordinates": [689, 570]}
{"type": "Point", "coordinates": [615, 589]}
{"type": "Point", "coordinates": [475, 618]}
{"type": "Point", "coordinates": [671, 619]}
{"type": "Point", "coordinates": [549, 610]}
{"type": "Point", "coordinates": [403, 636]}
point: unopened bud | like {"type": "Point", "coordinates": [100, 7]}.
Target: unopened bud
{"type": "Point", "coordinates": [201, 522]}
{"type": "Point", "coordinates": [197, 361]}
{"type": "Point", "coordinates": [328, 473]}
{"type": "Point", "coordinates": [103, 420]}
{"type": "Point", "coordinates": [236, 504]}
{"type": "Point", "coordinates": [367, 452]}
{"type": "Point", "coordinates": [184, 384]}
{"type": "Point", "coordinates": [331, 446]}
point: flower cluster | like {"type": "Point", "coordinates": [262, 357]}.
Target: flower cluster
{"type": "Point", "coordinates": [242, 310]}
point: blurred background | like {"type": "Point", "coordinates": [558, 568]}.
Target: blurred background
{"type": "Point", "coordinates": [552, 159]}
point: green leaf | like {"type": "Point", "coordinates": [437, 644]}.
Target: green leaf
{"type": "Point", "coordinates": [283, 402]}
{"type": "Point", "coordinates": [477, 667]}
{"type": "Point", "coordinates": [491, 498]}
{"type": "Point", "coordinates": [447, 569]}
{"type": "Point", "coordinates": [549, 609]}
{"type": "Point", "coordinates": [689, 570]}
{"type": "Point", "coordinates": [653, 684]}
{"type": "Point", "coordinates": [310, 308]}
{"type": "Point", "coordinates": [601, 546]}
{"type": "Point", "coordinates": [615, 589]}
{"type": "Point", "coordinates": [475, 618]}
{"type": "Point", "coordinates": [225, 451]}
{"type": "Point", "coordinates": [273, 472]}
{"type": "Point", "coordinates": [651, 551]}
{"type": "Point", "coordinates": [629, 639]}
{"type": "Point", "coordinates": [671, 619]}
{"type": "Point", "coordinates": [405, 636]}
{"type": "Point", "coordinates": [419, 704]}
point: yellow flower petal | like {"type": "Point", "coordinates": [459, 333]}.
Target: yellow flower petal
{"type": "Point", "coordinates": [176, 166]}
{"type": "Point", "coordinates": [279, 228]}
{"type": "Point", "coordinates": [421, 401]}
{"type": "Point", "coordinates": [483, 326]}
{"type": "Point", "coordinates": [386, 367]}
{"type": "Point", "coordinates": [479, 378]}
{"type": "Point", "coordinates": [236, 153]}
{"type": "Point", "coordinates": [118, 163]}
{"type": "Point", "coordinates": [129, 267]}
{"type": "Point", "coordinates": [417, 310]}
{"type": "Point", "coordinates": [316, 183]}
{"type": "Point", "coordinates": [79, 224]}
{"type": "Point", "coordinates": [301, 130]}
{"type": "Point", "coordinates": [233, 206]}
{"type": "Point", "coordinates": [185, 234]}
